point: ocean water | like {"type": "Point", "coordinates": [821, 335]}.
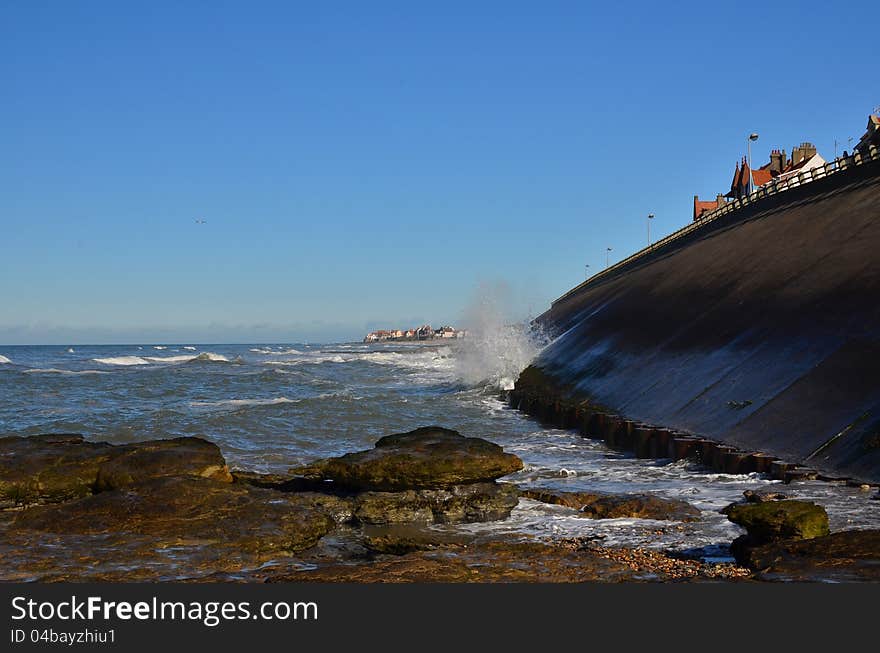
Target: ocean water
{"type": "Point", "coordinates": [272, 406]}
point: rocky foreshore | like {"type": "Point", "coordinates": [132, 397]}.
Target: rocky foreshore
{"type": "Point", "coordinates": [71, 509]}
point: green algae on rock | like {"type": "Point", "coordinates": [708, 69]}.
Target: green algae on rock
{"type": "Point", "coordinates": [428, 457]}
{"type": "Point", "coordinates": [779, 520]}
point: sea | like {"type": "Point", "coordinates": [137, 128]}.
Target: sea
{"type": "Point", "coordinates": [273, 406]}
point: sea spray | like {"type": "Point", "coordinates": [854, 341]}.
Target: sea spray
{"type": "Point", "coordinates": [497, 348]}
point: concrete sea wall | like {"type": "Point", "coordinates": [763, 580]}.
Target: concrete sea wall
{"type": "Point", "coordinates": [757, 332]}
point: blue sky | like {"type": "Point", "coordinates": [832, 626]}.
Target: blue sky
{"type": "Point", "coordinates": [362, 165]}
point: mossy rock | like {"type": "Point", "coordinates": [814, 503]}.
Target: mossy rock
{"type": "Point", "coordinates": [186, 456]}
{"type": "Point", "coordinates": [779, 520]}
{"type": "Point", "coordinates": [173, 511]}
{"type": "Point", "coordinates": [460, 504]}
{"type": "Point", "coordinates": [428, 457]}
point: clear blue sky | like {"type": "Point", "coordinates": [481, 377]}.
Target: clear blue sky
{"type": "Point", "coordinates": [369, 164]}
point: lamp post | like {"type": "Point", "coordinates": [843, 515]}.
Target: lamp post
{"type": "Point", "coordinates": [650, 217]}
{"type": "Point", "coordinates": [587, 271]}
{"type": "Point", "coordinates": [607, 252]}
{"type": "Point", "coordinates": [752, 137]}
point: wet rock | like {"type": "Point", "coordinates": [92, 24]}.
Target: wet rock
{"type": "Point", "coordinates": [402, 539]}
{"type": "Point", "coordinates": [576, 500]}
{"type": "Point", "coordinates": [282, 482]}
{"type": "Point", "coordinates": [429, 457]}
{"type": "Point", "coordinates": [392, 508]}
{"type": "Point", "coordinates": [140, 461]}
{"type": "Point", "coordinates": [596, 505]}
{"type": "Point", "coordinates": [779, 520]}
{"type": "Point", "coordinates": [846, 556]}
{"type": "Point", "coordinates": [49, 468]}
{"type": "Point", "coordinates": [461, 504]}
{"type": "Point", "coordinates": [173, 511]}
{"type": "Point", "coordinates": [514, 559]}
{"type": "Point", "coordinates": [55, 468]}
{"type": "Point", "coordinates": [753, 496]}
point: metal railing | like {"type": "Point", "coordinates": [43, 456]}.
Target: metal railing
{"type": "Point", "coordinates": [773, 187]}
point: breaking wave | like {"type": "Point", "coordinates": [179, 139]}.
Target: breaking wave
{"type": "Point", "coordinates": [122, 360]}
{"type": "Point", "coordinates": [3, 360]}
{"type": "Point", "coordinates": [128, 361]}
{"type": "Point", "coordinates": [496, 349]}
{"type": "Point", "coordinates": [236, 403]}
{"type": "Point", "coordinates": [55, 370]}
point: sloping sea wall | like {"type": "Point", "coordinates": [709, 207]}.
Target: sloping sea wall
{"type": "Point", "coordinates": [759, 330]}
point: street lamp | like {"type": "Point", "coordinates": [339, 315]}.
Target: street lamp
{"type": "Point", "coordinates": [587, 271]}
{"type": "Point", "coordinates": [752, 137]}
{"type": "Point", "coordinates": [607, 252]}
{"type": "Point", "coordinates": [650, 217]}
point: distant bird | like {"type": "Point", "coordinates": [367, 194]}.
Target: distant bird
{"type": "Point", "coordinates": [201, 221]}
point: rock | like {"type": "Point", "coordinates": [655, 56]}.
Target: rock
{"type": "Point", "coordinates": [392, 508]}
{"type": "Point", "coordinates": [763, 497]}
{"type": "Point", "coordinates": [429, 457]}
{"type": "Point", "coordinates": [576, 500]}
{"type": "Point", "coordinates": [55, 468]}
{"type": "Point", "coordinates": [49, 468]}
{"type": "Point", "coordinates": [282, 482]}
{"type": "Point", "coordinates": [461, 504]}
{"type": "Point", "coordinates": [173, 511]}
{"type": "Point", "coordinates": [596, 505]}
{"type": "Point", "coordinates": [779, 520]}
{"type": "Point", "coordinates": [402, 539]}
{"type": "Point", "coordinates": [846, 556]}
{"type": "Point", "coordinates": [156, 458]}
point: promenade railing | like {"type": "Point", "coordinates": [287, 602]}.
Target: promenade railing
{"type": "Point", "coordinates": [773, 187]}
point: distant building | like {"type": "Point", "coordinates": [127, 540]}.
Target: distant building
{"type": "Point", "coordinates": [871, 137]}
{"type": "Point", "coordinates": [745, 180]}
{"type": "Point", "coordinates": [701, 207]}
{"type": "Point", "coordinates": [424, 332]}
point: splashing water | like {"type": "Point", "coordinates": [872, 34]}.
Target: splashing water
{"type": "Point", "coordinates": [496, 350]}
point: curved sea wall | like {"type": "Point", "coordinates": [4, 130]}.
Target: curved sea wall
{"type": "Point", "coordinates": [759, 330]}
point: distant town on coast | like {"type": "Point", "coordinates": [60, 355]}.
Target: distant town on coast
{"type": "Point", "coordinates": [424, 332]}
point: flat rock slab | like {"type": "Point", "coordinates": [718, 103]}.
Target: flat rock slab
{"type": "Point", "coordinates": [186, 456]}
{"type": "Point", "coordinates": [177, 511]}
{"type": "Point", "coordinates": [847, 556]}
{"type": "Point", "coordinates": [49, 468]}
{"type": "Point", "coordinates": [460, 504]}
{"type": "Point", "coordinates": [596, 505]}
{"type": "Point", "coordinates": [429, 457]}
{"type": "Point", "coordinates": [55, 468]}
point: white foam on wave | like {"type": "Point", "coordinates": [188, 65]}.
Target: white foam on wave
{"type": "Point", "coordinates": [186, 358]}
{"type": "Point", "coordinates": [277, 352]}
{"type": "Point", "coordinates": [55, 370]}
{"type": "Point", "coordinates": [169, 359]}
{"type": "Point", "coordinates": [124, 361]}
{"type": "Point", "coordinates": [311, 359]}
{"type": "Point", "coordinates": [495, 351]}
{"type": "Point", "coordinates": [190, 348]}
{"type": "Point", "coordinates": [159, 347]}
{"type": "Point", "coordinates": [3, 359]}
{"type": "Point", "coordinates": [432, 359]}
{"type": "Point", "coordinates": [147, 360]}
{"type": "Point", "coordinates": [211, 356]}
{"type": "Point", "coordinates": [236, 403]}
